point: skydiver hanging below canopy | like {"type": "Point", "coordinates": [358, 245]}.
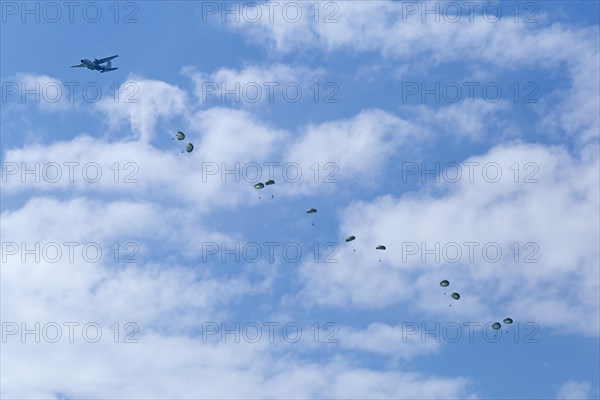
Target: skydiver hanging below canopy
{"type": "Point", "coordinates": [455, 296]}
{"type": "Point", "coordinates": [189, 148]}
{"type": "Point", "coordinates": [269, 183]}
{"type": "Point", "coordinates": [349, 239]}
{"type": "Point", "coordinates": [444, 283]}
{"type": "Point", "coordinates": [380, 247]}
{"type": "Point", "coordinates": [312, 211]}
{"type": "Point", "coordinates": [179, 135]}
{"type": "Point", "coordinates": [259, 185]}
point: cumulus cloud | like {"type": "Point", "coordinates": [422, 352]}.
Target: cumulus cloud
{"type": "Point", "coordinates": [232, 148]}
{"type": "Point", "coordinates": [254, 84]}
{"type": "Point", "coordinates": [183, 367]}
{"type": "Point", "coordinates": [574, 390]}
{"type": "Point", "coordinates": [545, 200]}
{"type": "Point", "coordinates": [407, 34]}
{"type": "Point", "coordinates": [403, 341]}
{"type": "Point", "coordinates": [94, 258]}
{"type": "Point", "coordinates": [508, 211]}
{"type": "Point", "coordinates": [49, 94]}
{"type": "Point", "coordinates": [141, 103]}
{"type": "Point", "coordinates": [358, 148]}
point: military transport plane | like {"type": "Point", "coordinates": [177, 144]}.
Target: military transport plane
{"type": "Point", "coordinates": [95, 65]}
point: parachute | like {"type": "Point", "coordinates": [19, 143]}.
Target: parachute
{"type": "Point", "coordinates": [270, 182]}
{"type": "Point", "coordinates": [455, 295]}
{"type": "Point", "coordinates": [496, 325]}
{"type": "Point", "coordinates": [180, 136]}
{"type": "Point", "coordinates": [508, 321]}
{"type": "Point", "coordinates": [444, 283]}
{"type": "Point", "coordinates": [349, 239]}
{"type": "Point", "coordinates": [312, 211]}
{"type": "Point", "coordinates": [380, 247]}
{"type": "Point", "coordinates": [259, 185]}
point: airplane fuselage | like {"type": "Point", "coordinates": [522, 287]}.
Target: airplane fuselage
{"type": "Point", "coordinates": [96, 65]}
{"type": "Point", "coordinates": [91, 65]}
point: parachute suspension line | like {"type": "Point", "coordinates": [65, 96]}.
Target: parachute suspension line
{"type": "Point", "coordinates": [259, 186]}
{"type": "Point", "coordinates": [312, 211]}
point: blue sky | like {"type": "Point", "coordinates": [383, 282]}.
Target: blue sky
{"type": "Point", "coordinates": [176, 216]}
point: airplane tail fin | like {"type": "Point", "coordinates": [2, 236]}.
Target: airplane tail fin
{"type": "Point", "coordinates": [108, 64]}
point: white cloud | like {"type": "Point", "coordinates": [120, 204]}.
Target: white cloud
{"type": "Point", "coordinates": [574, 390]}
{"type": "Point", "coordinates": [165, 300]}
{"type": "Point", "coordinates": [401, 342]}
{"type": "Point", "coordinates": [182, 367]}
{"type": "Point", "coordinates": [354, 149]}
{"type": "Point", "coordinates": [254, 84]}
{"type": "Point", "coordinates": [465, 119]}
{"type": "Point", "coordinates": [418, 40]}
{"type": "Point", "coordinates": [357, 148]}
{"type": "Point", "coordinates": [558, 215]}
{"type": "Point", "coordinates": [169, 297]}
{"type": "Point", "coordinates": [87, 165]}
{"type": "Point", "coordinates": [47, 93]}
{"type": "Point", "coordinates": [142, 103]}
{"type": "Point", "coordinates": [91, 277]}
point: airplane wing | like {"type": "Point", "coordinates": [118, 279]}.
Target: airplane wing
{"type": "Point", "coordinates": [108, 69]}
{"type": "Point", "coordinates": [78, 66]}
{"type": "Point", "coordinates": [103, 60]}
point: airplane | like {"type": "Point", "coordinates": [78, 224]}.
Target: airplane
{"type": "Point", "coordinates": [95, 65]}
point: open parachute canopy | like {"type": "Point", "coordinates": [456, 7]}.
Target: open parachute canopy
{"type": "Point", "coordinates": [270, 182]}
{"type": "Point", "coordinates": [455, 296]}
{"type": "Point", "coordinates": [180, 135]}
{"type": "Point", "coordinates": [189, 147]}
{"type": "Point", "coordinates": [311, 211]}
{"type": "Point", "coordinates": [496, 325]}
{"type": "Point", "coordinates": [259, 186]}
{"type": "Point", "coordinates": [380, 247]}
{"type": "Point", "coordinates": [508, 321]}
{"type": "Point", "coordinates": [444, 283]}
{"type": "Point", "coordinates": [350, 238]}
